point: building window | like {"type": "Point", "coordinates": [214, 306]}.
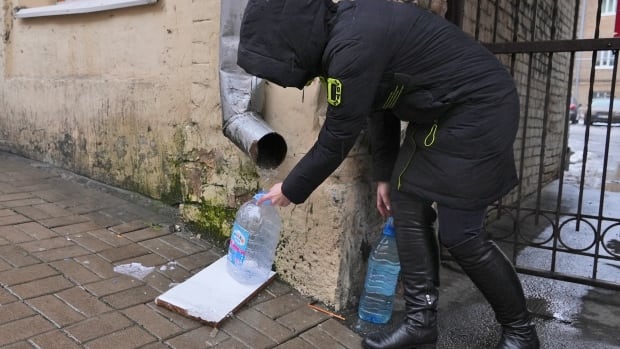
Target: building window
{"type": "Point", "coordinates": [605, 59]}
{"type": "Point", "coordinates": [608, 7]}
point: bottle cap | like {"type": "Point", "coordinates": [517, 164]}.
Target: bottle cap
{"type": "Point", "coordinates": [388, 228]}
{"type": "Point", "coordinates": [259, 195]}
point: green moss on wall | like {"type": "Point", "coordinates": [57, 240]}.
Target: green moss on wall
{"type": "Point", "coordinates": [174, 194]}
{"type": "Point", "coordinates": [214, 220]}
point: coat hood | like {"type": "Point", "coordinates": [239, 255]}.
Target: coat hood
{"type": "Point", "coordinates": [282, 41]}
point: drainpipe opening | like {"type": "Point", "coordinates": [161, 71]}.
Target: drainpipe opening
{"type": "Point", "coordinates": [269, 151]}
{"type": "Point", "coordinates": [250, 133]}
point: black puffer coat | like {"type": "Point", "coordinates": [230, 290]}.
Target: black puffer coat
{"type": "Point", "coordinates": [386, 62]}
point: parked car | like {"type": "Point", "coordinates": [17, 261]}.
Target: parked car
{"type": "Point", "coordinates": [600, 110]}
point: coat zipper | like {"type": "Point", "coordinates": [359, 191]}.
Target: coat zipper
{"type": "Point", "coordinates": [412, 140]}
{"type": "Point", "coordinates": [429, 140]}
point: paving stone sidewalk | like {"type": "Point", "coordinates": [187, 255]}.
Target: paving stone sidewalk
{"type": "Point", "coordinates": [61, 235]}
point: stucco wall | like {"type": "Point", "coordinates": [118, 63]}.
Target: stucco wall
{"type": "Point", "coordinates": [107, 95]}
{"type": "Point", "coordinates": [131, 97]}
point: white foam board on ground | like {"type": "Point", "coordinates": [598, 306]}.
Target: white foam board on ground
{"type": "Point", "coordinates": [210, 295]}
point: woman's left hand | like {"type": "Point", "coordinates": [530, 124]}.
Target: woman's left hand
{"type": "Point", "coordinates": [383, 199]}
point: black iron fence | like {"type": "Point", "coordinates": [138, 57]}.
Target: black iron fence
{"type": "Point", "coordinates": [563, 220]}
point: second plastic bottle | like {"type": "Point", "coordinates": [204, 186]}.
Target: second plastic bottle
{"type": "Point", "coordinates": [253, 241]}
{"type": "Point", "coordinates": [377, 298]}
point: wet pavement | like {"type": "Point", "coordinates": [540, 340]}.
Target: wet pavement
{"type": "Point", "coordinates": [600, 140]}
{"type": "Point", "coordinates": [566, 315]}
{"type": "Point", "coordinates": [63, 235]}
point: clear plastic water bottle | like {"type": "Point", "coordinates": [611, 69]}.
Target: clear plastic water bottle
{"type": "Point", "coordinates": [377, 298]}
{"type": "Point", "coordinates": [253, 241]}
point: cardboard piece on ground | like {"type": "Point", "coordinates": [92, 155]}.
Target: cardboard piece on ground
{"type": "Point", "coordinates": [210, 295]}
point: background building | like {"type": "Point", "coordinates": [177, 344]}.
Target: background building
{"type": "Point", "coordinates": [599, 79]}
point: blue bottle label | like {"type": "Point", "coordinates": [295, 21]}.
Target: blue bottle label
{"type": "Point", "coordinates": [238, 247]}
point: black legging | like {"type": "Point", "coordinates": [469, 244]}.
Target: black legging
{"type": "Point", "coordinates": [455, 225]}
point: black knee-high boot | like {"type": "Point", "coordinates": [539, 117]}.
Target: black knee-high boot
{"type": "Point", "coordinates": [419, 260]}
{"type": "Point", "coordinates": [496, 278]}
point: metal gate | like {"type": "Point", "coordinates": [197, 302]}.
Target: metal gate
{"type": "Point", "coordinates": [563, 220]}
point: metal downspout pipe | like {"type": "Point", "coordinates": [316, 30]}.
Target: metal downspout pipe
{"type": "Point", "coordinates": [242, 97]}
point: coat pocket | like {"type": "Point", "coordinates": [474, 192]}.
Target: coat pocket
{"type": "Point", "coordinates": [419, 104]}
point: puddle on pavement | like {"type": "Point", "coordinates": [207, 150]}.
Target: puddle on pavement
{"type": "Point", "coordinates": [541, 308]}
{"type": "Point", "coordinates": [614, 246]}
{"type": "Point", "coordinates": [600, 315]}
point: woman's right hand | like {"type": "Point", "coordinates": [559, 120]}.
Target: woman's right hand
{"type": "Point", "coordinates": [276, 196]}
